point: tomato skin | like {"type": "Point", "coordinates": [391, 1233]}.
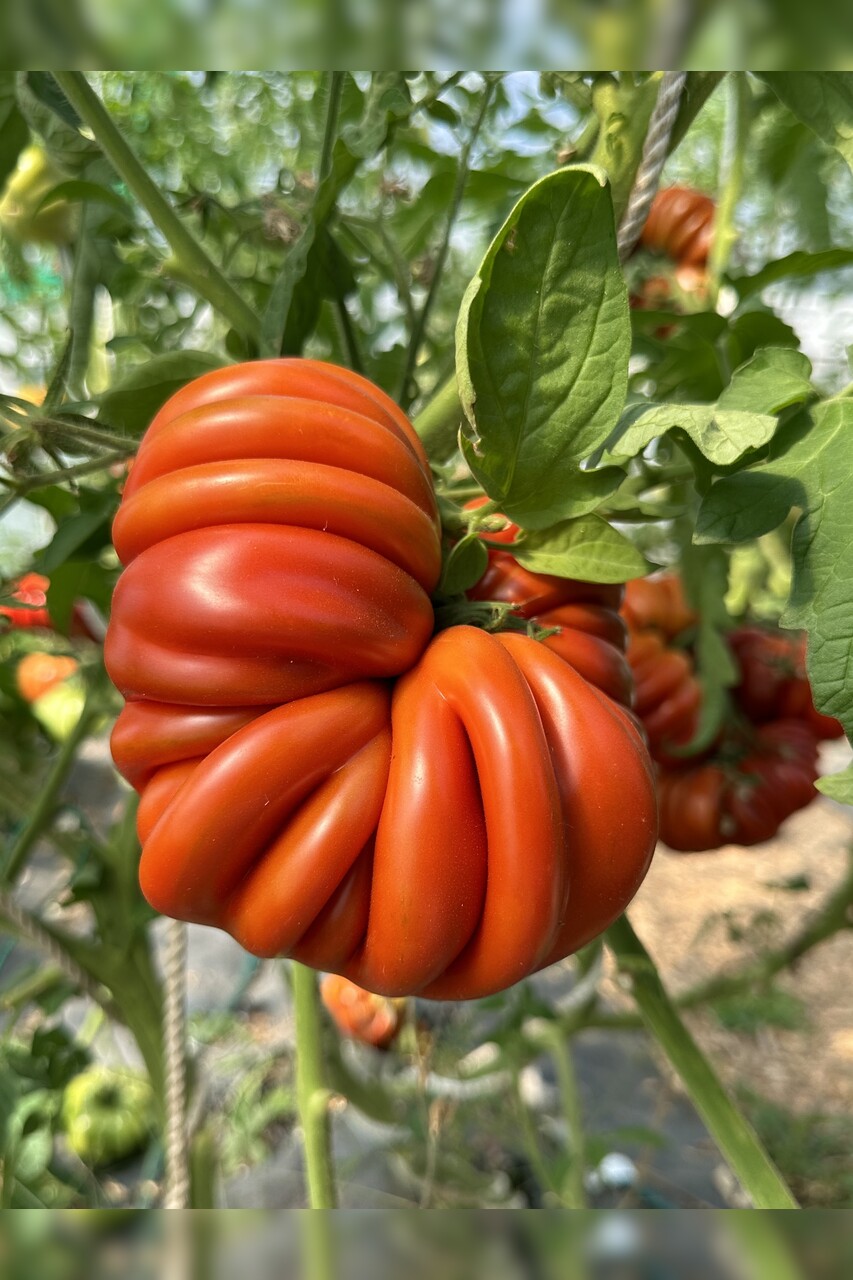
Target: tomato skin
{"type": "Point", "coordinates": [667, 697]}
{"type": "Point", "coordinates": [361, 1015]}
{"type": "Point", "coordinates": [773, 679]}
{"type": "Point", "coordinates": [691, 802]}
{"type": "Point", "coordinates": [680, 225]}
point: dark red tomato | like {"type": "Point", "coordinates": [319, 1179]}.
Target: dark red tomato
{"type": "Point", "coordinates": [691, 807]}
{"type": "Point", "coordinates": [773, 682]}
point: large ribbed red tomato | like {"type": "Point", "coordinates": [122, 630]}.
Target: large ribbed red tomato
{"type": "Point", "coordinates": [773, 681]}
{"type": "Point", "coordinates": [318, 774]}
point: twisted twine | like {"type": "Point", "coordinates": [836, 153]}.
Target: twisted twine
{"type": "Point", "coordinates": [176, 1194]}
{"type": "Point", "coordinates": [652, 161]}
{"type": "Point", "coordinates": [30, 929]}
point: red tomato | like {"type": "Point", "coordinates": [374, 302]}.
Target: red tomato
{"type": "Point", "coordinates": [31, 590]}
{"type": "Point", "coordinates": [318, 775]}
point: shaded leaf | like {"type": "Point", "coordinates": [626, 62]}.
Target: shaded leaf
{"type": "Point", "coordinates": [587, 548]}
{"type": "Point", "coordinates": [542, 345]}
{"type": "Point", "coordinates": [133, 400]}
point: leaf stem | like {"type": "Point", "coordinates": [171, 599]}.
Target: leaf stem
{"type": "Point", "coordinates": [311, 1092]}
{"type": "Point", "coordinates": [407, 392]}
{"type": "Point", "coordinates": [194, 264]}
{"type": "Point", "coordinates": [731, 1131]}
{"type": "Point", "coordinates": [737, 134]}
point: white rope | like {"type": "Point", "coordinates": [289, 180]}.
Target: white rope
{"type": "Point", "coordinates": [652, 162]}
{"type": "Point", "coordinates": [31, 929]}
{"type": "Point", "coordinates": [176, 1194]}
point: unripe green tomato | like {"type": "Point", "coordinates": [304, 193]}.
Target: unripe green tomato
{"type": "Point", "coordinates": [108, 1114]}
{"type": "Point", "coordinates": [34, 176]}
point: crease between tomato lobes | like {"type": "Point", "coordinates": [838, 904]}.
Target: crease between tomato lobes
{"type": "Point", "coordinates": [317, 774]}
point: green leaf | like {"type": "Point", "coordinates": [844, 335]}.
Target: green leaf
{"type": "Point", "coordinates": [133, 400]}
{"type": "Point", "coordinates": [743, 417]}
{"type": "Point", "coordinates": [823, 100]}
{"type": "Point", "coordinates": [795, 266]}
{"type": "Point", "coordinates": [78, 189]}
{"type": "Point", "coordinates": [705, 572]}
{"type": "Point", "coordinates": [542, 341]}
{"type": "Point", "coordinates": [587, 548]}
{"type": "Point", "coordinates": [95, 511]}
{"type": "Point", "coordinates": [464, 566]}
{"type": "Point", "coordinates": [73, 580]}
{"type": "Point", "coordinates": [14, 133]}
{"type": "Point", "coordinates": [808, 468]}
{"type": "Point", "coordinates": [839, 786]}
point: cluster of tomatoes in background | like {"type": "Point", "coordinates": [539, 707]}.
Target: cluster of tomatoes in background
{"type": "Point", "coordinates": [762, 765]}
{"type": "Point", "coordinates": [669, 269]}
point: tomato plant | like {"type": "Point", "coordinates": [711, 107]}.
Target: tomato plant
{"type": "Point", "coordinates": [427, 518]}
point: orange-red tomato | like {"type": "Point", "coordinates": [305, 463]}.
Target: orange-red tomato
{"type": "Point", "coordinates": [31, 590]}
{"type": "Point", "coordinates": [318, 775]}
{"type": "Point", "coordinates": [39, 672]}
{"type": "Point", "coordinates": [361, 1015]}
{"type": "Point", "coordinates": [667, 695]}
{"type": "Point", "coordinates": [589, 633]}
{"type": "Point", "coordinates": [657, 603]}
{"type": "Point", "coordinates": [680, 225]}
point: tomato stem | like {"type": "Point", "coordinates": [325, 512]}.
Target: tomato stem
{"type": "Point", "coordinates": [311, 1094]}
{"type": "Point", "coordinates": [201, 272]}
{"type": "Point", "coordinates": [735, 1137]}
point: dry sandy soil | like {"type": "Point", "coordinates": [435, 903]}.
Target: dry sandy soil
{"type": "Point", "coordinates": [691, 906]}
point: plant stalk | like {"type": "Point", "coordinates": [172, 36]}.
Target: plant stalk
{"type": "Point", "coordinates": [733, 1134]}
{"type": "Point", "coordinates": [195, 265]}
{"type": "Point", "coordinates": [312, 1096]}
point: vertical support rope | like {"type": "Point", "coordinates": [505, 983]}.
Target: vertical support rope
{"type": "Point", "coordinates": [652, 161]}
{"type": "Point", "coordinates": [176, 1194]}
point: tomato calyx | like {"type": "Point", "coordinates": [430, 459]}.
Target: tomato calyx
{"type": "Point", "coordinates": [488, 615]}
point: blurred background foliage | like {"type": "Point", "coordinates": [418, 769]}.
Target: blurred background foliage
{"type": "Point", "coordinates": [97, 318]}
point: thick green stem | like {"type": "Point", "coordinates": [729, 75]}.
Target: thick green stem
{"type": "Point", "coordinates": [730, 1130]}
{"type": "Point", "coordinates": [559, 1043]}
{"type": "Point", "coordinates": [438, 422]}
{"type": "Point", "coordinates": [194, 264]}
{"type": "Point", "coordinates": [312, 1096]}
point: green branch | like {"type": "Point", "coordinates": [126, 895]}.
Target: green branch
{"type": "Point", "coordinates": [312, 1097]}
{"type": "Point", "coordinates": [406, 395]}
{"type": "Point", "coordinates": [193, 263]}
{"type": "Point", "coordinates": [731, 1131]}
